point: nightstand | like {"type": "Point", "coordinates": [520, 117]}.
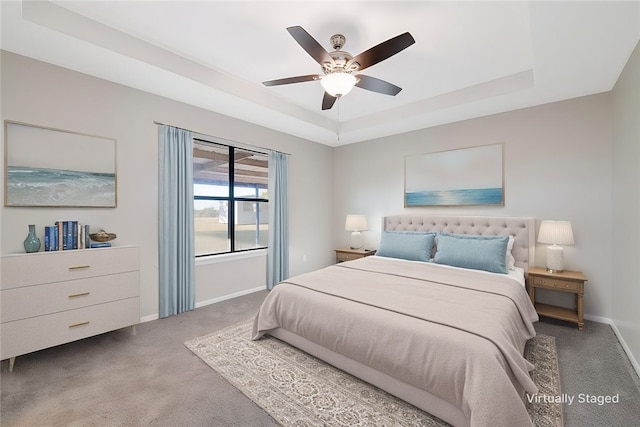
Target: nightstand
{"type": "Point", "coordinates": [567, 281]}
{"type": "Point", "coordinates": [351, 254]}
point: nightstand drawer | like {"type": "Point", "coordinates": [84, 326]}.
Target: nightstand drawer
{"type": "Point", "coordinates": [341, 257]}
{"type": "Point", "coordinates": [556, 284]}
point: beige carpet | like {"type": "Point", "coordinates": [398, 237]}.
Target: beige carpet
{"type": "Point", "coordinates": [299, 390]}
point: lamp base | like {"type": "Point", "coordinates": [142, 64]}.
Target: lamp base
{"type": "Point", "coordinates": [356, 240]}
{"type": "Point", "coordinates": [555, 259]}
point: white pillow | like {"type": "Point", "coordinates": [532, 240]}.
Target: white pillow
{"type": "Point", "coordinates": [510, 261]}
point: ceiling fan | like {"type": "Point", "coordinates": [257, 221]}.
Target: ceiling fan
{"type": "Point", "coordinates": [339, 66]}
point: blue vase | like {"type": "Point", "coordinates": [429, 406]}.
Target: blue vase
{"type": "Point", "coordinates": [32, 243]}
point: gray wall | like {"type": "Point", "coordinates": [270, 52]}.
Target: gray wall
{"type": "Point", "coordinates": [626, 205]}
{"type": "Point", "coordinates": [558, 166]}
{"type": "Point", "coordinates": [42, 94]}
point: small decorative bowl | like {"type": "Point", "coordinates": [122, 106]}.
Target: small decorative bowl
{"type": "Point", "coordinates": [102, 236]}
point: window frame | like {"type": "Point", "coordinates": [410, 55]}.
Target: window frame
{"type": "Point", "coordinates": [231, 199]}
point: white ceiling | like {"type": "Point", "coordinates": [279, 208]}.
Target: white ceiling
{"type": "Point", "coordinates": [470, 58]}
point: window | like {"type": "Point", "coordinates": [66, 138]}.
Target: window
{"type": "Point", "coordinates": [231, 204]}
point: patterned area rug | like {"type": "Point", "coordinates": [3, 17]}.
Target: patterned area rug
{"type": "Point", "coordinates": [297, 389]}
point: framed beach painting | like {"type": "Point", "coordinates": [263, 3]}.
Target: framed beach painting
{"type": "Point", "coordinates": [467, 176]}
{"type": "Point", "coordinates": [58, 168]}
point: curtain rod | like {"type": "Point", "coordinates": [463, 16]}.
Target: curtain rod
{"type": "Point", "coordinates": [223, 139]}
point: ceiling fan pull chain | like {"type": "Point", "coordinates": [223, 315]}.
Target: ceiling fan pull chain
{"type": "Point", "coordinates": [338, 131]}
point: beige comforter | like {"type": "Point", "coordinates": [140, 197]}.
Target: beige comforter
{"type": "Point", "coordinates": [458, 334]}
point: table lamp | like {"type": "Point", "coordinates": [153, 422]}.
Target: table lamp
{"type": "Point", "coordinates": [555, 233]}
{"type": "Point", "coordinates": [356, 224]}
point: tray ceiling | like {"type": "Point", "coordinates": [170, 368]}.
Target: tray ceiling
{"type": "Point", "coordinates": [470, 59]}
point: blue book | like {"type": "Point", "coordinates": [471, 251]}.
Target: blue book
{"type": "Point", "coordinates": [63, 236]}
{"type": "Point", "coordinates": [56, 239]}
{"type": "Point", "coordinates": [47, 239]}
{"type": "Point", "coordinates": [101, 245]}
{"type": "Point", "coordinates": [69, 235]}
{"type": "Point", "coordinates": [74, 234]}
{"type": "Point", "coordinates": [87, 239]}
{"type": "Point", "coordinates": [53, 236]}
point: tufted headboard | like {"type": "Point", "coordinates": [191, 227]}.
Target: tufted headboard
{"type": "Point", "coordinates": [523, 229]}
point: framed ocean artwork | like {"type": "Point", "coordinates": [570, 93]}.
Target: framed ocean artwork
{"type": "Point", "coordinates": [57, 168]}
{"type": "Point", "coordinates": [467, 176]}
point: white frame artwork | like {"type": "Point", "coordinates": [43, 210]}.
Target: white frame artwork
{"type": "Point", "coordinates": [461, 177]}
{"type": "Point", "coordinates": [50, 167]}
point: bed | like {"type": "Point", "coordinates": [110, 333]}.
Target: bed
{"type": "Point", "coordinates": [446, 339]}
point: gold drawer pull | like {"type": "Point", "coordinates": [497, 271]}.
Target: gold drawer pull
{"type": "Point", "coordinates": [79, 267]}
{"type": "Point", "coordinates": [75, 325]}
{"type": "Point", "coordinates": [82, 294]}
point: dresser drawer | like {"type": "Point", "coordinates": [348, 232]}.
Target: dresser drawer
{"type": "Point", "coordinates": [556, 284]}
{"type": "Point", "coordinates": [38, 300]}
{"type": "Point", "coordinates": [48, 267]}
{"type": "Point", "coordinates": [37, 333]}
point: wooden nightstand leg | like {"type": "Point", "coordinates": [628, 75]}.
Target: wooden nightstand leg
{"type": "Point", "coordinates": [579, 303]}
{"type": "Point", "coordinates": [12, 361]}
{"type": "Point", "coordinates": [532, 294]}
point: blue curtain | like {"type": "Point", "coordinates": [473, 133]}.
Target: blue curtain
{"type": "Point", "coordinates": [176, 262]}
{"type": "Point", "coordinates": [278, 256]}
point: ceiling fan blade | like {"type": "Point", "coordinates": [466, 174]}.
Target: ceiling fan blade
{"type": "Point", "coordinates": [382, 51]}
{"type": "Point", "coordinates": [289, 80]}
{"type": "Point", "coordinates": [328, 101]}
{"type": "Point", "coordinates": [310, 45]}
{"type": "Point", "coordinates": [377, 85]}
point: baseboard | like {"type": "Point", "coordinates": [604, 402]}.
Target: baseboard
{"type": "Point", "coordinates": [149, 318]}
{"type": "Point", "coordinates": [623, 343]}
{"type": "Point", "coordinates": [229, 296]}
{"type": "Point", "coordinates": [598, 319]}
{"type": "Point", "coordinates": [156, 316]}
{"type": "Point", "coordinates": [626, 348]}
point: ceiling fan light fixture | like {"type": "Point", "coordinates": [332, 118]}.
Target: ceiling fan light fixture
{"type": "Point", "coordinates": [338, 84]}
{"type": "Point", "coordinates": [338, 65]}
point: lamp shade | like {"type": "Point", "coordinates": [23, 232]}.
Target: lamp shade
{"type": "Point", "coordinates": [556, 233]}
{"type": "Point", "coordinates": [338, 84]}
{"type": "Point", "coordinates": [356, 223]}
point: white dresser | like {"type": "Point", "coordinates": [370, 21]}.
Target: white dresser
{"type": "Point", "coordinates": [52, 298]}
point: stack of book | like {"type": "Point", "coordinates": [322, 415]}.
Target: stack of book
{"type": "Point", "coordinates": [67, 235]}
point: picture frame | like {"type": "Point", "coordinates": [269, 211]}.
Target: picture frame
{"type": "Point", "coordinates": [48, 167]}
{"type": "Point", "coordinates": [462, 177]}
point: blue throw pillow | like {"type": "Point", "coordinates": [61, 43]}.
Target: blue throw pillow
{"type": "Point", "coordinates": [406, 245]}
{"type": "Point", "coordinates": [470, 251]}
